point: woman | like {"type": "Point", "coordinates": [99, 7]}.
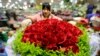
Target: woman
{"type": "Point", "coordinates": [45, 14]}
{"type": "Point", "coordinates": [95, 21]}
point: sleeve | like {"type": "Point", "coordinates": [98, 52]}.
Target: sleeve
{"type": "Point", "coordinates": [92, 18]}
{"type": "Point", "coordinates": [25, 23]}
{"type": "Point", "coordinates": [57, 17]}
{"type": "Point", "coordinates": [32, 18]}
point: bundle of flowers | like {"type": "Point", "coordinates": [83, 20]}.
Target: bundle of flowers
{"type": "Point", "coordinates": [78, 10]}
{"type": "Point", "coordinates": [51, 38]}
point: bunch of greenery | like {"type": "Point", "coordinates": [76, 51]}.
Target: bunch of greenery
{"type": "Point", "coordinates": [27, 49]}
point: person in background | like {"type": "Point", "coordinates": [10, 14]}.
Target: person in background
{"type": "Point", "coordinates": [7, 14]}
{"type": "Point", "coordinates": [12, 36]}
{"type": "Point", "coordinates": [13, 14]}
{"type": "Point", "coordinates": [10, 40]}
{"type": "Point", "coordinates": [88, 16]}
{"type": "Point", "coordinates": [90, 8]}
{"type": "Point", "coordinates": [11, 23]}
{"type": "Point", "coordinates": [25, 23]}
{"type": "Point", "coordinates": [95, 21]}
{"type": "Point", "coordinates": [95, 36]}
{"type": "Point", "coordinates": [3, 40]}
{"type": "Point", "coordinates": [89, 11]}
{"type": "Point", "coordinates": [45, 14]}
{"type": "Point", "coordinates": [53, 12]}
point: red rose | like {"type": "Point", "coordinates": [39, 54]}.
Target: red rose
{"type": "Point", "coordinates": [53, 34]}
{"type": "Point", "coordinates": [75, 49]}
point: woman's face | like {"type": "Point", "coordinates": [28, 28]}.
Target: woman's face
{"type": "Point", "coordinates": [46, 12]}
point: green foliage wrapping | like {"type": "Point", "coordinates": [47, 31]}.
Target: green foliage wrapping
{"type": "Point", "coordinates": [27, 49]}
{"type": "Point", "coordinates": [84, 43]}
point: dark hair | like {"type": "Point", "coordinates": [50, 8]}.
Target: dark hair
{"type": "Point", "coordinates": [98, 12]}
{"type": "Point", "coordinates": [98, 53]}
{"type": "Point", "coordinates": [46, 5]}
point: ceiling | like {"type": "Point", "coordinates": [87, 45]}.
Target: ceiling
{"type": "Point", "coordinates": [12, 3]}
{"type": "Point", "coordinates": [17, 3]}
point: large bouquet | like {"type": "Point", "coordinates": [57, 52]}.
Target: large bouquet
{"type": "Point", "coordinates": [49, 35]}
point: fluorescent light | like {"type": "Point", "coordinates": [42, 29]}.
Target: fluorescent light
{"type": "Point", "coordinates": [25, 7]}
{"type": "Point", "coordinates": [62, 2]}
{"type": "Point", "coordinates": [19, 0]}
{"type": "Point", "coordinates": [52, 1]}
{"type": "Point", "coordinates": [25, 3]}
{"type": "Point", "coordinates": [12, 5]}
{"type": "Point", "coordinates": [0, 1]}
{"type": "Point", "coordinates": [9, 0]}
{"type": "Point", "coordinates": [7, 4]}
{"type": "Point", "coordinates": [16, 2]}
{"type": "Point", "coordinates": [18, 6]}
{"type": "Point", "coordinates": [0, 4]}
{"type": "Point", "coordinates": [40, 3]}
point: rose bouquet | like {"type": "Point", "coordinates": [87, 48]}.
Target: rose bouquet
{"type": "Point", "coordinates": [51, 37]}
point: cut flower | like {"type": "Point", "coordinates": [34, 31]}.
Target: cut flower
{"type": "Point", "coordinates": [53, 34]}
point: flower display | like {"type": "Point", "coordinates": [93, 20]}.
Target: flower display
{"type": "Point", "coordinates": [53, 34]}
{"type": "Point", "coordinates": [82, 21]}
